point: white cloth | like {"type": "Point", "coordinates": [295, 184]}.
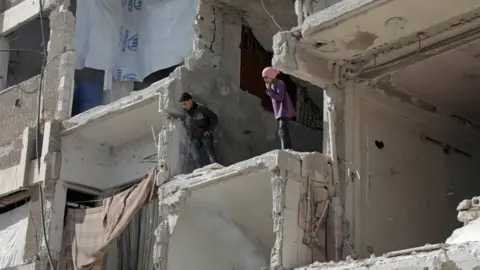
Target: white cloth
{"type": "Point", "coordinates": [133, 38]}
{"type": "Point", "coordinates": [13, 234]}
{"type": "Point", "coordinates": [467, 233]}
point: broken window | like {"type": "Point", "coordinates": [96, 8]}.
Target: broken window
{"type": "Point", "coordinates": [22, 54]}
{"type": "Point", "coordinates": [309, 104]}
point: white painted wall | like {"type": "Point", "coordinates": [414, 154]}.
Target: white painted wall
{"type": "Point", "coordinates": [102, 166]}
{"type": "Point", "coordinates": [409, 189]}
{"type": "Point", "coordinates": [128, 160]}
{"type": "Point", "coordinates": [10, 179]}
{"type": "Point", "coordinates": [85, 163]}
{"type": "Point", "coordinates": [226, 225]}
{"type": "Point", "coordinates": [205, 240]}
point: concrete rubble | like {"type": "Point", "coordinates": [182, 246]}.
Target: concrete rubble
{"type": "Point", "coordinates": [460, 251]}
{"type": "Point", "coordinates": [462, 256]}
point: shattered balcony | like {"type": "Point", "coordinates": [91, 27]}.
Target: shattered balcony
{"type": "Point", "coordinates": [222, 218]}
{"type": "Point", "coordinates": [123, 139]}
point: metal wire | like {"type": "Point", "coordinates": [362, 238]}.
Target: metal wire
{"type": "Point", "coordinates": [37, 144]}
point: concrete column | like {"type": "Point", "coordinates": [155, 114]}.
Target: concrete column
{"type": "Point", "coordinates": [28, 152]}
{"type": "Point", "coordinates": [60, 70]}
{"type": "Point", "coordinates": [334, 148]}
{"type": "Point", "coordinates": [54, 193]}
{"type": "Point", "coordinates": [169, 207]}
{"type": "Point", "coordinates": [172, 146]}
{"type": "Point", "coordinates": [4, 60]}
{"type": "Point", "coordinates": [278, 194]}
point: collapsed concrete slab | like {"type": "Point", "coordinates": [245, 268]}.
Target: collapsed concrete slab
{"type": "Point", "coordinates": [463, 256]}
{"type": "Point", "coordinates": [222, 217]}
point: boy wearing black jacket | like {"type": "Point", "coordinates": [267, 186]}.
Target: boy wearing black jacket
{"type": "Point", "coordinates": [200, 123]}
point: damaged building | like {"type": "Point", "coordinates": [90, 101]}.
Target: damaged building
{"type": "Point", "coordinates": [400, 80]}
{"type": "Point", "coordinates": [95, 173]}
{"type": "Point", "coordinates": [83, 125]}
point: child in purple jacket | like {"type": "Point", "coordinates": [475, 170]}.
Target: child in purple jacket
{"type": "Point", "coordinates": [282, 104]}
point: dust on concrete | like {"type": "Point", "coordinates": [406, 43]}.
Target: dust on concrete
{"type": "Point", "coordinates": [361, 41]}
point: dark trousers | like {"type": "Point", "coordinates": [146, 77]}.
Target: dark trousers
{"type": "Point", "coordinates": [284, 133]}
{"type": "Point", "coordinates": [205, 142]}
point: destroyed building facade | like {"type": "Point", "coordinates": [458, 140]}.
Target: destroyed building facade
{"type": "Point", "coordinates": [58, 153]}
{"type": "Point", "coordinates": [401, 102]}
{"type": "Point", "coordinates": [394, 133]}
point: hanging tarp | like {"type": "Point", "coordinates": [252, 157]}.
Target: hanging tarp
{"type": "Point", "coordinates": [133, 38]}
{"type": "Point", "coordinates": [13, 233]}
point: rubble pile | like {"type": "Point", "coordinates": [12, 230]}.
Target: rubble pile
{"type": "Point", "coordinates": [469, 210]}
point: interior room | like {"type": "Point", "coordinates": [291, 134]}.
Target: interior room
{"type": "Point", "coordinates": [418, 147]}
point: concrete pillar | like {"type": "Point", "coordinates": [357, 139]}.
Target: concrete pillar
{"type": "Point", "coordinates": [278, 194]}
{"type": "Point", "coordinates": [60, 70]}
{"type": "Point", "coordinates": [334, 148]}
{"type": "Point", "coordinates": [53, 193]}
{"type": "Point", "coordinates": [4, 60]}
{"type": "Point", "coordinates": [169, 207]}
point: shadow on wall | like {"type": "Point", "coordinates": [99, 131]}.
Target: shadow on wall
{"type": "Point", "coordinates": [245, 130]}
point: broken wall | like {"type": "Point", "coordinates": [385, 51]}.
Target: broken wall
{"type": "Point", "coordinates": [29, 235]}
{"type": "Point", "coordinates": [209, 223]}
{"type": "Point", "coordinates": [409, 169]}
{"type": "Point", "coordinates": [18, 103]}
{"type": "Point", "coordinates": [211, 76]}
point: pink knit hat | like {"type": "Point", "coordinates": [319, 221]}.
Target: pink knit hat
{"type": "Point", "coordinates": [270, 72]}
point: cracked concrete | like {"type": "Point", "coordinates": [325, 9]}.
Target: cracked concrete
{"type": "Point", "coordinates": [268, 181]}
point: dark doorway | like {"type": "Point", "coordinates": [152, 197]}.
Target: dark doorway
{"type": "Point", "coordinates": [254, 58]}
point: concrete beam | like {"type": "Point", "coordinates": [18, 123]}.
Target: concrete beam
{"type": "Point", "coordinates": [375, 32]}
{"type": "Point", "coordinates": [106, 124]}
{"type": "Point", "coordinates": [292, 58]}
{"type": "Point", "coordinates": [20, 14]}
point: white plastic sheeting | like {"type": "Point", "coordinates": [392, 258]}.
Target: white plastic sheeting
{"type": "Point", "coordinates": [467, 233]}
{"type": "Point", "coordinates": [13, 233]}
{"type": "Point", "coordinates": [133, 38]}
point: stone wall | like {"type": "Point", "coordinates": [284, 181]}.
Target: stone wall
{"type": "Point", "coordinates": [18, 109]}
{"type": "Point", "coordinates": [10, 153]}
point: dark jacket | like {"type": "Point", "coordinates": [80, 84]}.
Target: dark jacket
{"type": "Point", "coordinates": [199, 119]}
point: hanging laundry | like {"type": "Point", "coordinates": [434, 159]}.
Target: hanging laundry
{"type": "Point", "coordinates": [133, 38]}
{"type": "Point", "coordinates": [89, 232]}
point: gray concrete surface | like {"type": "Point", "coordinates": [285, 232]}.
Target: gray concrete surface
{"type": "Point", "coordinates": [455, 257]}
